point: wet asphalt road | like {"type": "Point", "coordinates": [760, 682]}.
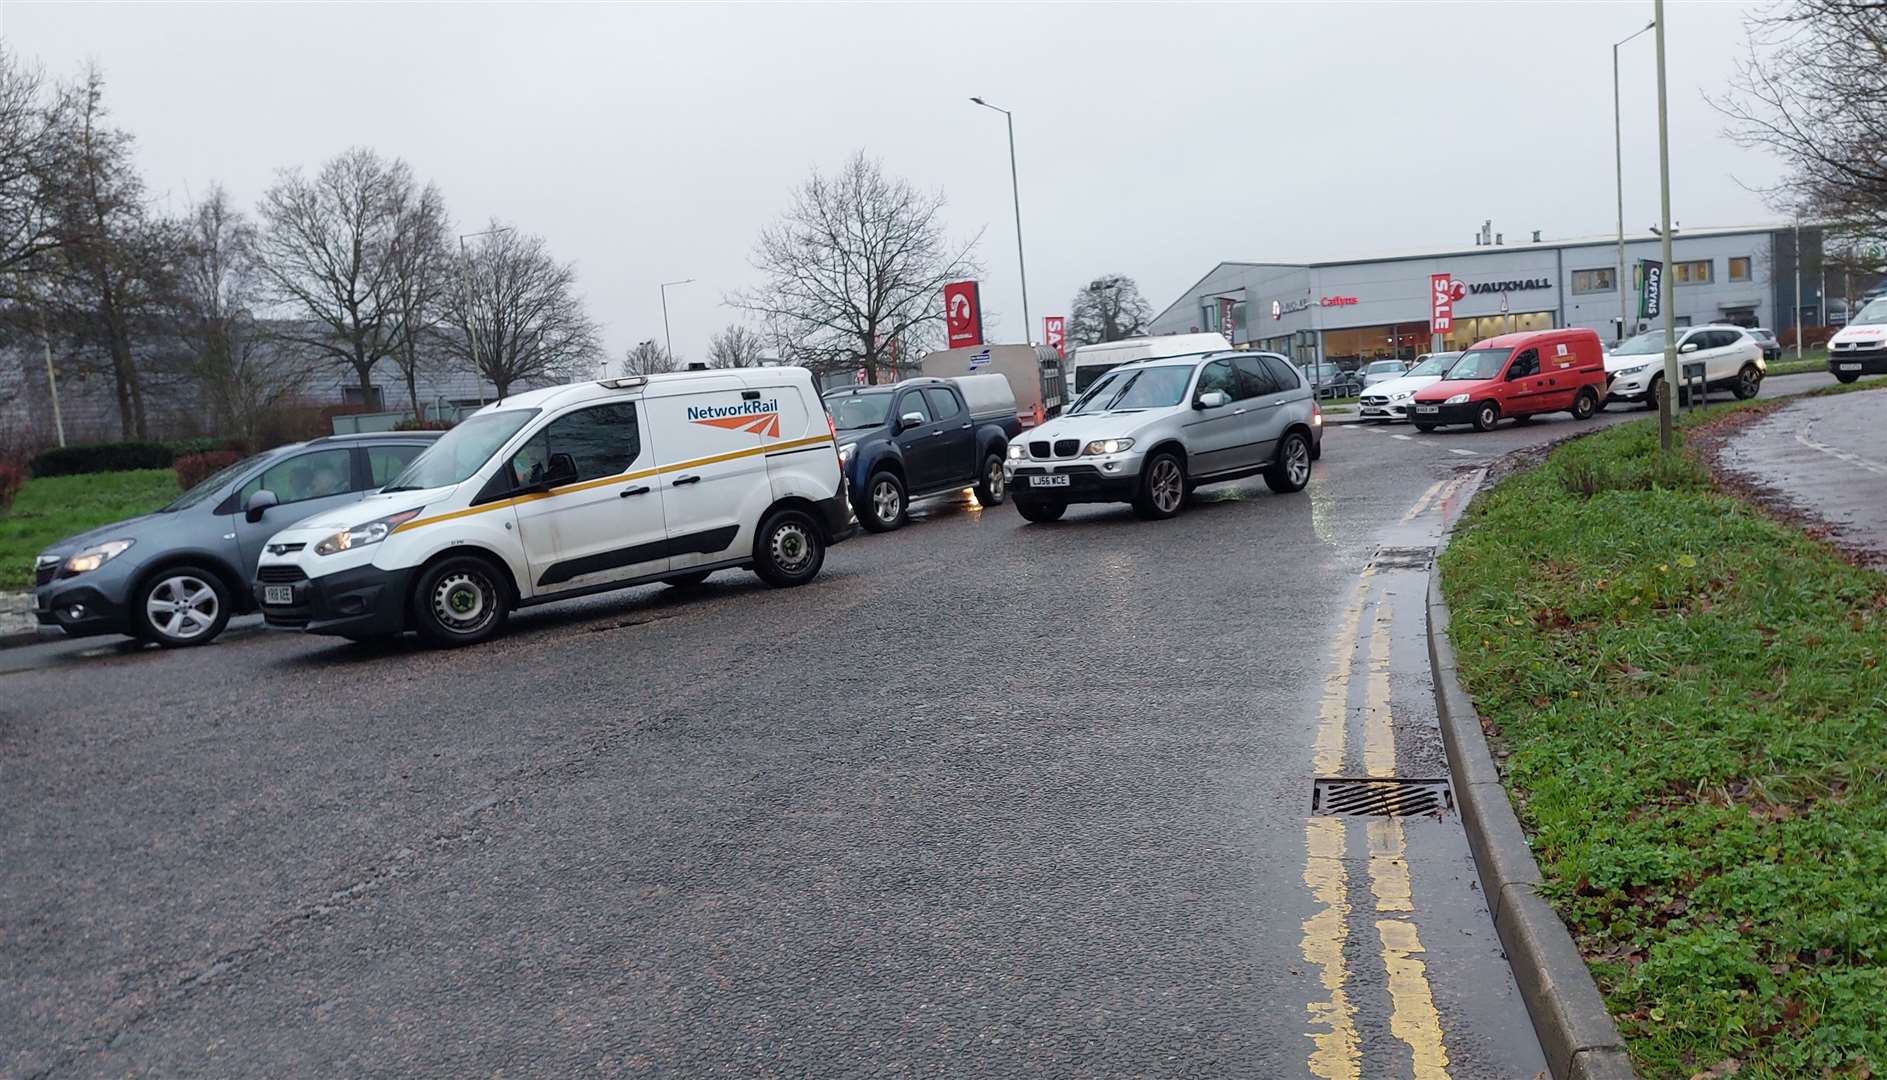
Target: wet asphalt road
{"type": "Point", "coordinates": [1826, 456]}
{"type": "Point", "coordinates": [987, 799]}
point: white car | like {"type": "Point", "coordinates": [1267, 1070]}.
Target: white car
{"type": "Point", "coordinates": [573, 490]}
{"type": "Point", "coordinates": [1390, 400]}
{"type": "Point", "coordinates": [1732, 360]}
{"type": "Point", "coordinates": [1382, 371]}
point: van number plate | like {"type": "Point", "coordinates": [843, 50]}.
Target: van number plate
{"type": "Point", "coordinates": [1427, 408]}
{"type": "Point", "coordinates": [278, 594]}
{"type": "Point", "coordinates": [1850, 367]}
{"type": "Point", "coordinates": [1059, 480]}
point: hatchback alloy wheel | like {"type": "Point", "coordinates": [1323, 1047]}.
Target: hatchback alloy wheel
{"type": "Point", "coordinates": [184, 607]}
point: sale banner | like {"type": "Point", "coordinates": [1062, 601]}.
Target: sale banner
{"type": "Point", "coordinates": [1055, 334]}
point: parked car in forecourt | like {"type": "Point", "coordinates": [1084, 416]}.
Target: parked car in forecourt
{"type": "Point", "coordinates": [1517, 375]}
{"type": "Point", "coordinates": [1331, 381]}
{"type": "Point", "coordinates": [1390, 400]}
{"type": "Point", "coordinates": [919, 438]}
{"type": "Point", "coordinates": [1772, 347]}
{"type": "Point", "coordinates": [1087, 363]}
{"type": "Point", "coordinates": [1150, 431]}
{"type": "Point", "coordinates": [1731, 357]}
{"type": "Point", "coordinates": [1860, 348]}
{"type": "Point", "coordinates": [176, 576]}
{"type": "Point", "coordinates": [573, 490]}
{"type": "Point", "coordinates": [1381, 371]}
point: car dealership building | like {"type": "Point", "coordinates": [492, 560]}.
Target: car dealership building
{"type": "Point", "coordinates": [1367, 309]}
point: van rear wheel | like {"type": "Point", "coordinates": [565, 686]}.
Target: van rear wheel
{"type": "Point", "coordinates": [1585, 405]}
{"type": "Point", "coordinates": [788, 549]}
{"type": "Point", "coordinates": [460, 601]}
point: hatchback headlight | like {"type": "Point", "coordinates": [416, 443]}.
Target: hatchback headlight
{"type": "Point", "coordinates": [361, 535]}
{"type": "Point", "coordinates": [1458, 399]}
{"type": "Point", "coordinates": [1639, 370]}
{"type": "Point", "coordinates": [84, 562]}
{"type": "Point", "coordinates": [1016, 453]}
{"type": "Point", "coordinates": [1108, 446]}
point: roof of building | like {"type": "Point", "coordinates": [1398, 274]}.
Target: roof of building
{"type": "Point", "coordinates": [1545, 243]}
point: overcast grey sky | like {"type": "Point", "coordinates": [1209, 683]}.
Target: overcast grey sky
{"type": "Point", "coordinates": [651, 142]}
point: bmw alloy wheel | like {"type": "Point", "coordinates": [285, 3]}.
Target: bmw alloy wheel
{"type": "Point", "coordinates": [1166, 485]}
{"type": "Point", "coordinates": [1297, 462]}
{"type": "Point", "coordinates": [183, 606]}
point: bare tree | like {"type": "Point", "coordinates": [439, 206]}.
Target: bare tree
{"type": "Point", "coordinates": [243, 373]}
{"type": "Point", "coordinates": [420, 276]}
{"type": "Point", "coordinates": [855, 270]}
{"type": "Point", "coordinates": [326, 250]}
{"type": "Point", "coordinates": [1108, 308]}
{"type": "Point", "coordinates": [1813, 89]}
{"type": "Point", "coordinates": [734, 347]}
{"type": "Point", "coordinates": [32, 124]}
{"type": "Point", "coordinates": [647, 358]}
{"type": "Point", "coordinates": [518, 316]}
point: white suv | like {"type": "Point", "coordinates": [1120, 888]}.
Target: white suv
{"type": "Point", "coordinates": [1732, 359]}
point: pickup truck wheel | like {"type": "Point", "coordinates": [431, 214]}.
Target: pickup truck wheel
{"type": "Point", "coordinates": [1291, 471]}
{"type": "Point", "coordinates": [992, 488]}
{"type": "Point", "coordinates": [1585, 405]}
{"type": "Point", "coordinates": [459, 602]}
{"type": "Point", "coordinates": [788, 551]}
{"type": "Point", "coordinates": [884, 507]}
{"type": "Point", "coordinates": [1486, 416]}
{"type": "Point", "coordinates": [1040, 512]}
{"type": "Point", "coordinates": [1162, 487]}
{"type": "Point", "coordinates": [1748, 382]}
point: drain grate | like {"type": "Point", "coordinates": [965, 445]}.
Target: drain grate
{"type": "Point", "coordinates": [1343, 796]}
{"type": "Point", "coordinates": [1403, 558]}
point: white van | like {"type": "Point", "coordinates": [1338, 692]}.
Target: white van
{"type": "Point", "coordinates": [1087, 363]}
{"type": "Point", "coordinates": [572, 490]}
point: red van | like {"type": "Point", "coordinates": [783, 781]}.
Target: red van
{"type": "Point", "coordinates": [1540, 371]}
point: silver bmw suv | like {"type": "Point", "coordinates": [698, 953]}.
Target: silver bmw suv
{"type": "Point", "coordinates": [1148, 432]}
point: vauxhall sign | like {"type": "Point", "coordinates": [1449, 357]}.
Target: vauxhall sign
{"type": "Point", "coordinates": [1517, 285]}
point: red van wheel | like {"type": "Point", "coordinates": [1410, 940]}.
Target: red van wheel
{"type": "Point", "coordinates": [1585, 405]}
{"type": "Point", "coordinates": [1486, 416]}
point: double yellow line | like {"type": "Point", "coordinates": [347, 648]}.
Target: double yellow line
{"type": "Point", "coordinates": [1336, 1052]}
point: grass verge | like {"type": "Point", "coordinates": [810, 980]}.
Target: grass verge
{"type": "Point", "coordinates": [1812, 360]}
{"type": "Point", "coordinates": [54, 507]}
{"type": "Point", "coordinates": [1692, 699]}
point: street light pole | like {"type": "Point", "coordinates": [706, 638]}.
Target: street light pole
{"type": "Point", "coordinates": [1667, 410]}
{"type": "Point", "coordinates": [1015, 193]}
{"type": "Point", "coordinates": [669, 342]}
{"type": "Point", "coordinates": [1618, 158]}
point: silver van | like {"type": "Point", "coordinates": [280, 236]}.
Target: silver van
{"type": "Point", "coordinates": [1148, 432]}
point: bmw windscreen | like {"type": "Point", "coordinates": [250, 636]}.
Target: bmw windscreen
{"type": "Point", "coordinates": [462, 451]}
{"type": "Point", "coordinates": [1136, 388]}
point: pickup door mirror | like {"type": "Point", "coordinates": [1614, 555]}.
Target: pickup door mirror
{"type": "Point", "coordinates": [910, 420]}
{"type": "Point", "coordinates": [1212, 399]}
{"type": "Point", "coordinates": [257, 504]}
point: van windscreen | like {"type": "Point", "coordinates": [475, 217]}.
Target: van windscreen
{"type": "Point", "coordinates": [1478, 364]}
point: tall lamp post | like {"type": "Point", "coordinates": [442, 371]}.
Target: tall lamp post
{"type": "Point", "coordinates": [1015, 193]}
{"type": "Point", "coordinates": [1667, 410]}
{"type": "Point", "coordinates": [471, 319]}
{"type": "Point", "coordinates": [667, 341]}
{"type": "Point", "coordinates": [1618, 157]}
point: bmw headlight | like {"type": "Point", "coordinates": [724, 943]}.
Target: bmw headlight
{"type": "Point", "coordinates": [1016, 453]}
{"type": "Point", "coordinates": [84, 562]}
{"type": "Point", "coordinates": [846, 451]}
{"type": "Point", "coordinates": [361, 535]}
{"type": "Point", "coordinates": [1458, 399]}
{"type": "Point", "coordinates": [1108, 446]}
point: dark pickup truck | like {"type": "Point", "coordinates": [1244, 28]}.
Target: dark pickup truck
{"type": "Point", "coordinates": [922, 437]}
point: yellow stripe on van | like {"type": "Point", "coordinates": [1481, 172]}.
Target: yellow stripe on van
{"type": "Point", "coordinates": [620, 478]}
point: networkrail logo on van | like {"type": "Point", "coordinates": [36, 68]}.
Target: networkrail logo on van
{"type": "Point", "coordinates": [762, 418]}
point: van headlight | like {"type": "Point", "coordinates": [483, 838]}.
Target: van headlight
{"type": "Point", "coordinates": [1016, 453]}
{"type": "Point", "coordinates": [84, 562]}
{"type": "Point", "coordinates": [1107, 446]}
{"type": "Point", "coordinates": [1458, 399]}
{"type": "Point", "coordinates": [361, 535]}
{"type": "Point", "coordinates": [846, 450]}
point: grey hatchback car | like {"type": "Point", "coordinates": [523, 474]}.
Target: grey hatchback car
{"type": "Point", "coordinates": [175, 576]}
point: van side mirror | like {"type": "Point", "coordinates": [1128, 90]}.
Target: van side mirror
{"type": "Point", "coordinates": [1212, 399]}
{"type": "Point", "coordinates": [258, 504]}
{"type": "Point", "coordinates": [910, 420]}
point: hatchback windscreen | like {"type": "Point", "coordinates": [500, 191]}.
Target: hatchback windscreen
{"type": "Point", "coordinates": [1136, 388]}
{"type": "Point", "coordinates": [1437, 364]}
{"type": "Point", "coordinates": [460, 452]}
{"type": "Point", "coordinates": [1645, 344]}
{"type": "Point", "coordinates": [1478, 364]}
{"type": "Point", "coordinates": [210, 486]}
{"type": "Point", "coordinates": [859, 410]}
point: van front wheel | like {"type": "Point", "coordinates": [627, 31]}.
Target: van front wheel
{"type": "Point", "coordinates": [459, 601]}
{"type": "Point", "coordinates": [788, 550]}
